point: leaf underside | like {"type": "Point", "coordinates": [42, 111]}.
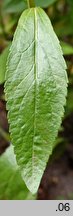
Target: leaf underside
{"type": "Point", "coordinates": [35, 89]}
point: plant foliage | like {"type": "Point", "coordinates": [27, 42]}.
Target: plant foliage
{"type": "Point", "coordinates": [12, 186]}
{"type": "Point", "coordinates": [35, 89]}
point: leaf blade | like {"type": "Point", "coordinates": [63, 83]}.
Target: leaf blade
{"type": "Point", "coordinates": [3, 60]}
{"type": "Point", "coordinates": [39, 86]}
{"type": "Point", "coordinates": [15, 6]}
{"type": "Point", "coordinates": [45, 3]}
{"type": "Point", "coordinates": [67, 48]}
{"type": "Point", "coordinates": [12, 186]}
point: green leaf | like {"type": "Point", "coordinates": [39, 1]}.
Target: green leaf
{"type": "Point", "coordinates": [3, 60]}
{"type": "Point", "coordinates": [17, 6]}
{"type": "Point", "coordinates": [44, 3]}
{"type": "Point", "coordinates": [12, 186]}
{"type": "Point", "coordinates": [67, 49]}
{"type": "Point", "coordinates": [69, 107]}
{"type": "Point", "coordinates": [14, 6]}
{"type": "Point", "coordinates": [35, 89]}
{"type": "Point", "coordinates": [64, 28]}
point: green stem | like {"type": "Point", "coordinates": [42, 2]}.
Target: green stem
{"type": "Point", "coordinates": [30, 3]}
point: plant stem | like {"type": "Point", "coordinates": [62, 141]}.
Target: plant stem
{"type": "Point", "coordinates": [30, 3]}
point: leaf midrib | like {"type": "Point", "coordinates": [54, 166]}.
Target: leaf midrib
{"type": "Point", "coordinates": [35, 78]}
{"type": "Point", "coordinates": [35, 37]}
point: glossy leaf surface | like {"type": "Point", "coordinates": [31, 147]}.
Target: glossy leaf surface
{"type": "Point", "coordinates": [36, 89]}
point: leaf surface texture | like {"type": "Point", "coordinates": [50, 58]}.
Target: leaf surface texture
{"type": "Point", "coordinates": [36, 89]}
